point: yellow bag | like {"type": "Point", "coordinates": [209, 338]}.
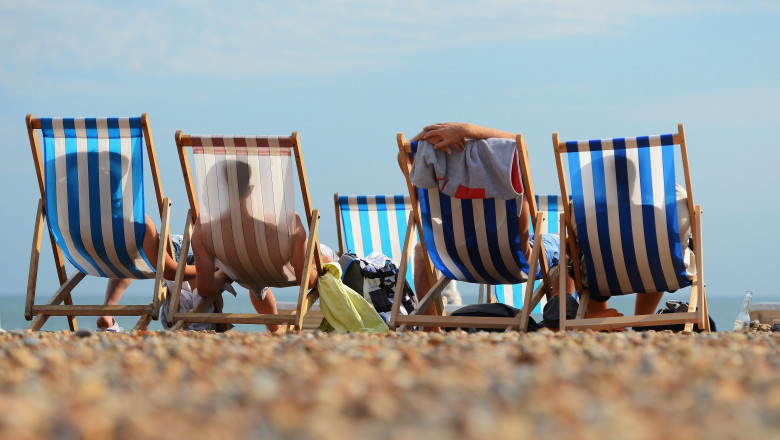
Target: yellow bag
{"type": "Point", "coordinates": [344, 309]}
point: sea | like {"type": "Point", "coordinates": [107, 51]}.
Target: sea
{"type": "Point", "coordinates": [722, 309]}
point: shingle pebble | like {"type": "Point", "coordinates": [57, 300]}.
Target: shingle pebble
{"type": "Point", "coordinates": [585, 385]}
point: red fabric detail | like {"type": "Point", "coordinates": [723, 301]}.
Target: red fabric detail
{"type": "Point", "coordinates": [517, 184]}
{"type": "Point", "coordinates": [464, 192]}
{"type": "Point", "coordinates": [244, 145]}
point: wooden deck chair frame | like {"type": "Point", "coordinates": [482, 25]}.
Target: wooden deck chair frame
{"type": "Point", "coordinates": [179, 321]}
{"type": "Point", "coordinates": [697, 309]}
{"type": "Point", "coordinates": [439, 282]}
{"type": "Point", "coordinates": [39, 314]}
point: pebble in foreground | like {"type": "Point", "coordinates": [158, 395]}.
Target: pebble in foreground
{"type": "Point", "coordinates": [413, 385]}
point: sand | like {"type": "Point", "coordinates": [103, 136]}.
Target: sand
{"type": "Point", "coordinates": [581, 385]}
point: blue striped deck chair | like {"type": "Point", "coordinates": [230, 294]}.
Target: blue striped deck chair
{"type": "Point", "coordinates": [626, 217]}
{"type": "Point", "coordinates": [91, 179]}
{"type": "Point", "coordinates": [512, 294]}
{"type": "Point", "coordinates": [470, 240]}
{"type": "Point", "coordinates": [373, 223]}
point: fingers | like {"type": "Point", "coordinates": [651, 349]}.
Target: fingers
{"type": "Point", "coordinates": [436, 126]}
{"type": "Point", "coordinates": [446, 143]}
{"type": "Point", "coordinates": [424, 134]}
{"type": "Point", "coordinates": [419, 136]}
{"type": "Point", "coordinates": [434, 137]}
{"type": "Point", "coordinates": [444, 136]}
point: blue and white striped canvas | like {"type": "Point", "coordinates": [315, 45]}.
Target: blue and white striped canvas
{"type": "Point", "coordinates": [625, 211]}
{"type": "Point", "coordinates": [473, 240]}
{"type": "Point", "coordinates": [93, 172]}
{"type": "Point", "coordinates": [376, 223]}
{"type": "Point", "coordinates": [512, 294]}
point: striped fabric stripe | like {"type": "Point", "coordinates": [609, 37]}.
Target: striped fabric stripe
{"type": "Point", "coordinates": [625, 210]}
{"type": "Point", "coordinates": [247, 206]}
{"type": "Point", "coordinates": [473, 240]}
{"type": "Point", "coordinates": [376, 223]}
{"type": "Point", "coordinates": [512, 294]}
{"type": "Point", "coordinates": [93, 171]}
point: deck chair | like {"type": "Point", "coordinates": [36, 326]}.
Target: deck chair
{"type": "Point", "coordinates": [247, 227]}
{"type": "Point", "coordinates": [373, 223]}
{"type": "Point", "coordinates": [471, 240]}
{"type": "Point", "coordinates": [91, 178]}
{"type": "Point", "coordinates": [623, 216]}
{"type": "Point", "coordinates": [512, 294]}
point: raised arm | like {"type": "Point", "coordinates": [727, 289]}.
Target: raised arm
{"type": "Point", "coordinates": [445, 135]}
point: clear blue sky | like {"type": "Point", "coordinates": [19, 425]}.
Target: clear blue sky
{"type": "Point", "coordinates": [350, 74]}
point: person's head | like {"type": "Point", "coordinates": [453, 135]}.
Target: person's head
{"type": "Point", "coordinates": [243, 173]}
{"type": "Point", "coordinates": [220, 173]}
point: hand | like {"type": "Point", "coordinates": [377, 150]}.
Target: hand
{"type": "Point", "coordinates": [447, 135]}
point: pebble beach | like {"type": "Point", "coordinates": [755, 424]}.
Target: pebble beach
{"type": "Point", "coordinates": [573, 385]}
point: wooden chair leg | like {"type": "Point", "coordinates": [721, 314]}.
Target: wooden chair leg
{"type": "Point", "coordinates": [562, 279]}
{"type": "Point", "coordinates": [431, 296]}
{"type": "Point", "coordinates": [146, 319]}
{"type": "Point", "coordinates": [143, 321]}
{"type": "Point", "coordinates": [525, 312]}
{"type": "Point", "coordinates": [40, 320]}
{"type": "Point", "coordinates": [161, 252]}
{"type": "Point", "coordinates": [698, 302]}
{"type": "Point", "coordinates": [706, 308]}
{"type": "Point", "coordinates": [693, 300]}
{"type": "Point", "coordinates": [537, 255]}
{"type": "Point", "coordinates": [59, 261]}
{"type": "Point", "coordinates": [173, 304]}
{"type": "Point", "coordinates": [541, 290]}
{"type": "Point", "coordinates": [399, 286]}
{"type": "Point", "coordinates": [704, 320]}
{"type": "Point", "coordinates": [201, 307]}
{"type": "Point", "coordinates": [34, 257]}
{"type": "Point", "coordinates": [584, 300]}
{"type": "Point", "coordinates": [62, 293]}
{"type": "Point", "coordinates": [302, 307]}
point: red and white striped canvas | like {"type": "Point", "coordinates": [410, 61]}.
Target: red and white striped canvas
{"type": "Point", "coordinates": [245, 187]}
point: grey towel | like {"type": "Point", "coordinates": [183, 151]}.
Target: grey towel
{"type": "Point", "coordinates": [482, 170]}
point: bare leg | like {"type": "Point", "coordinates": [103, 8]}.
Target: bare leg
{"type": "Point", "coordinates": [569, 284]}
{"type": "Point", "coordinates": [266, 307]}
{"type": "Point", "coordinates": [114, 290]}
{"type": "Point", "coordinates": [596, 307]}
{"type": "Point", "coordinates": [647, 303]}
{"type": "Point", "coordinates": [421, 283]}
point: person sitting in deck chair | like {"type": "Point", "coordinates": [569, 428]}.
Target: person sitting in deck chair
{"type": "Point", "coordinates": [453, 135]}
{"type": "Point", "coordinates": [263, 300]}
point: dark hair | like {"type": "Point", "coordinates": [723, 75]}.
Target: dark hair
{"type": "Point", "coordinates": [242, 178]}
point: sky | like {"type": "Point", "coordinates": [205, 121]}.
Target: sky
{"type": "Point", "coordinates": [348, 75]}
